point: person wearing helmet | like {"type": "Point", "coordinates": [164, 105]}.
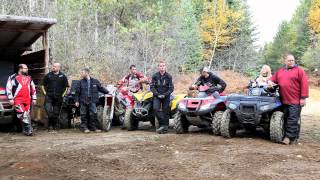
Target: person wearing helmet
{"type": "Point", "coordinates": [215, 83]}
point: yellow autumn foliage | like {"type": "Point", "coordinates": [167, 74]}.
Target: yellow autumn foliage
{"type": "Point", "coordinates": [314, 16]}
{"type": "Point", "coordinates": [219, 25]}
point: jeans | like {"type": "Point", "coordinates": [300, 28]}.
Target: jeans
{"type": "Point", "coordinates": [292, 125]}
{"type": "Point", "coordinates": [161, 108]}
{"type": "Point", "coordinates": [53, 107]}
{"type": "Point", "coordinates": [89, 119]}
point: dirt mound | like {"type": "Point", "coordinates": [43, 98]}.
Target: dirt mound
{"type": "Point", "coordinates": [235, 81]}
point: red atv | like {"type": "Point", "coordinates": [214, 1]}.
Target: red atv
{"type": "Point", "coordinates": [205, 111]}
{"type": "Point", "coordinates": [6, 110]}
{"type": "Point", "coordinates": [112, 108]}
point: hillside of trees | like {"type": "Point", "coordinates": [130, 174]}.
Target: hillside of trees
{"type": "Point", "coordinates": [108, 35]}
{"type": "Point", "coordinates": [299, 36]}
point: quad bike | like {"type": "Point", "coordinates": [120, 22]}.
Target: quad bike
{"type": "Point", "coordinates": [109, 108]}
{"type": "Point", "coordinates": [69, 111]}
{"type": "Point", "coordinates": [205, 110]}
{"type": "Point", "coordinates": [261, 107]}
{"type": "Point", "coordinates": [112, 108]}
{"type": "Point", "coordinates": [6, 110]}
{"type": "Point", "coordinates": [143, 110]}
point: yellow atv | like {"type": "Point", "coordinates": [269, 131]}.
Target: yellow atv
{"type": "Point", "coordinates": [143, 110]}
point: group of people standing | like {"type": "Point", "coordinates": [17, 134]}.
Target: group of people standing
{"type": "Point", "coordinates": [21, 92]}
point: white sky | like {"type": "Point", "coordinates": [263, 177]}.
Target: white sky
{"type": "Point", "coordinates": [268, 14]}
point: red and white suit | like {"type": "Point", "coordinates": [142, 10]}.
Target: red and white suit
{"type": "Point", "coordinates": [21, 89]}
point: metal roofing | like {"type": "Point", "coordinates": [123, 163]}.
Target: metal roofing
{"type": "Point", "coordinates": [18, 33]}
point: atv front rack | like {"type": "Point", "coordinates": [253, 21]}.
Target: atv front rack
{"type": "Point", "coordinates": [5, 108]}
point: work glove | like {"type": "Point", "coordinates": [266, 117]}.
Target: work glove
{"type": "Point", "coordinates": [161, 96]}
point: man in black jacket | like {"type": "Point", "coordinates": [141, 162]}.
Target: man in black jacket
{"type": "Point", "coordinates": [87, 95]}
{"type": "Point", "coordinates": [54, 87]}
{"type": "Point", "coordinates": [215, 83]}
{"type": "Point", "coordinates": [162, 87]}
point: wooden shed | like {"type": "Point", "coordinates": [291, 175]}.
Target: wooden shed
{"type": "Point", "coordinates": [17, 35]}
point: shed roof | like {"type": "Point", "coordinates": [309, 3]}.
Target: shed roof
{"type": "Point", "coordinates": [18, 33]}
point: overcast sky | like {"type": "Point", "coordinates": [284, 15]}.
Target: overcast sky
{"type": "Point", "coordinates": [268, 14]}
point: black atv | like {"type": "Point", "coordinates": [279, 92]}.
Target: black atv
{"type": "Point", "coordinates": [69, 111]}
{"type": "Point", "coordinates": [105, 108]}
{"type": "Point", "coordinates": [261, 107]}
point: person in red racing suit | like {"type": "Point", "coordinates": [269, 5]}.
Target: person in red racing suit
{"type": "Point", "coordinates": [20, 91]}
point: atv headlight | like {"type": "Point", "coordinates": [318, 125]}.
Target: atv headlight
{"type": "Point", "coordinates": [2, 92]}
{"type": "Point", "coordinates": [182, 106]}
{"type": "Point", "coordinates": [265, 108]}
{"type": "Point", "coordinates": [204, 107]}
{"type": "Point", "coordinates": [232, 106]}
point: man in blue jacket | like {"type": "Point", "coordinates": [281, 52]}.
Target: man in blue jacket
{"type": "Point", "coordinates": [87, 95]}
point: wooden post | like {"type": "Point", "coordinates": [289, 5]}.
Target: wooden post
{"type": "Point", "coordinates": [45, 44]}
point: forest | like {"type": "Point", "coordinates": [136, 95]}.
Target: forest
{"type": "Point", "coordinates": [109, 35]}
{"type": "Point", "coordinates": [299, 36]}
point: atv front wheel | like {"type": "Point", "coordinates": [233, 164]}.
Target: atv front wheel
{"type": "Point", "coordinates": [64, 121]}
{"type": "Point", "coordinates": [156, 122]}
{"type": "Point", "coordinates": [181, 124]}
{"type": "Point", "coordinates": [216, 121]}
{"type": "Point", "coordinates": [129, 122]}
{"type": "Point", "coordinates": [104, 117]}
{"type": "Point", "coordinates": [227, 129]}
{"type": "Point", "coordinates": [277, 127]}
{"type": "Point", "coordinates": [106, 121]}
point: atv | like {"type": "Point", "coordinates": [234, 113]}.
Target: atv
{"type": "Point", "coordinates": [69, 111]}
{"type": "Point", "coordinates": [143, 110]}
{"type": "Point", "coordinates": [261, 107]}
{"type": "Point", "coordinates": [112, 108]}
{"type": "Point", "coordinates": [108, 108]}
{"type": "Point", "coordinates": [6, 109]}
{"type": "Point", "coordinates": [205, 111]}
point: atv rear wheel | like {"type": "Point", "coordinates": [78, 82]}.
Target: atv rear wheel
{"type": "Point", "coordinates": [226, 127]}
{"type": "Point", "coordinates": [181, 124]}
{"type": "Point", "coordinates": [216, 121]}
{"type": "Point", "coordinates": [129, 122]}
{"type": "Point", "coordinates": [277, 126]}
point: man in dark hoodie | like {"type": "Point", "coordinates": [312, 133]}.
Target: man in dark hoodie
{"type": "Point", "coordinates": [215, 83]}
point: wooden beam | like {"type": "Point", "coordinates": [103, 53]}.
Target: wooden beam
{"type": "Point", "coordinates": [45, 44]}
{"type": "Point", "coordinates": [25, 19]}
{"type": "Point", "coordinates": [11, 48]}
{"type": "Point", "coordinates": [2, 23]}
{"type": "Point", "coordinates": [36, 37]}
{"type": "Point", "coordinates": [13, 40]}
{"type": "Point", "coordinates": [15, 29]}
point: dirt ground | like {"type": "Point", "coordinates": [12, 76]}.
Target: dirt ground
{"type": "Point", "coordinates": [143, 154]}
